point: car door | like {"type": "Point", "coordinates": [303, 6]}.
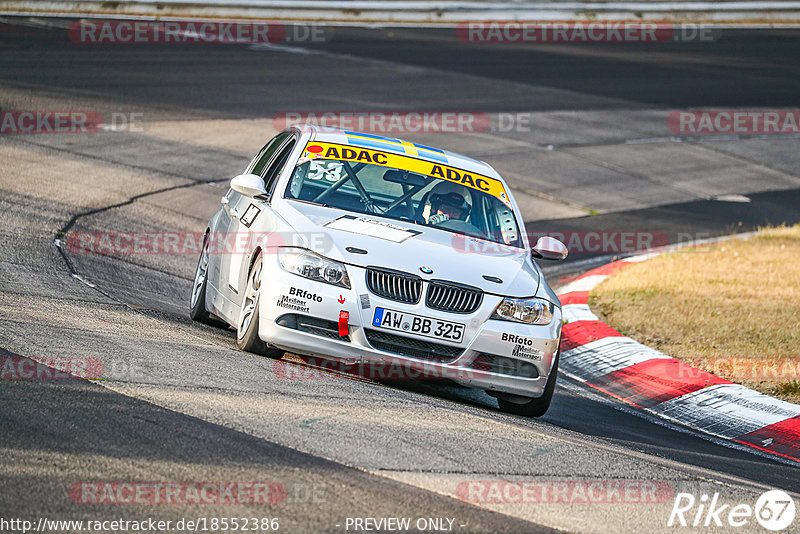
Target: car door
{"type": "Point", "coordinates": [224, 299]}
{"type": "Point", "coordinates": [256, 217]}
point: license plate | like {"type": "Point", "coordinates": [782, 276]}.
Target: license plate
{"type": "Point", "coordinates": [418, 325]}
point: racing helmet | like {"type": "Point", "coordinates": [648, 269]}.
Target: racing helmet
{"type": "Point", "coordinates": [451, 199]}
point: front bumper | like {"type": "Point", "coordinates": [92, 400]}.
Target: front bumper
{"type": "Point", "coordinates": [286, 296]}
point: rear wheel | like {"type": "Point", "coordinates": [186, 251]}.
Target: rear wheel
{"type": "Point", "coordinates": [247, 327]}
{"type": "Point", "coordinates": [534, 407]}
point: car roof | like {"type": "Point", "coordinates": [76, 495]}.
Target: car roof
{"type": "Point", "coordinates": [399, 146]}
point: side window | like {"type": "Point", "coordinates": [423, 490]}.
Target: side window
{"type": "Point", "coordinates": [271, 176]}
{"type": "Point", "coordinates": [264, 155]}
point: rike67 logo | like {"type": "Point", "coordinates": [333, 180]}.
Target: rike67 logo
{"type": "Point", "coordinates": [774, 510]}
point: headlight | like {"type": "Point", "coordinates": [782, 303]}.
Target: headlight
{"type": "Point", "coordinates": [528, 311]}
{"type": "Point", "coordinates": [313, 266]}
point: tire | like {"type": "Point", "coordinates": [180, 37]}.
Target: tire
{"type": "Point", "coordinates": [197, 302]}
{"type": "Point", "coordinates": [247, 326]}
{"type": "Point", "coordinates": [534, 407]}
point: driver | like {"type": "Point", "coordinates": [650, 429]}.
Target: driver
{"type": "Point", "coordinates": [449, 202]}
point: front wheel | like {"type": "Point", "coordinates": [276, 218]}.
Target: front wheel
{"type": "Point", "coordinates": [197, 304]}
{"type": "Point", "coordinates": [534, 407]}
{"type": "Point", "coordinates": [247, 327]}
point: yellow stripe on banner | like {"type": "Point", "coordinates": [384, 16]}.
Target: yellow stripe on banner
{"type": "Point", "coordinates": [409, 148]}
{"type": "Point", "coordinates": [479, 182]}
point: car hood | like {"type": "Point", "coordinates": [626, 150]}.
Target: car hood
{"type": "Point", "coordinates": [330, 232]}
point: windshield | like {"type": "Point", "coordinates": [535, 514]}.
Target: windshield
{"type": "Point", "coordinates": [373, 186]}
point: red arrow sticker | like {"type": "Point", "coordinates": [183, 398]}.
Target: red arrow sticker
{"type": "Point", "coordinates": [341, 299]}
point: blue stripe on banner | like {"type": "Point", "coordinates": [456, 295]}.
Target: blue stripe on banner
{"type": "Point", "coordinates": [432, 155]}
{"type": "Point", "coordinates": [423, 147]}
{"type": "Point", "coordinates": [376, 137]}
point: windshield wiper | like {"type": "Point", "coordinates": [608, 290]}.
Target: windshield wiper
{"type": "Point", "coordinates": [312, 202]}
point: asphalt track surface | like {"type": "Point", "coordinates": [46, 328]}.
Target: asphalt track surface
{"type": "Point", "coordinates": [178, 403]}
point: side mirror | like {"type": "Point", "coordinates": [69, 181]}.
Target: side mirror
{"type": "Point", "coordinates": [549, 248]}
{"type": "Point", "coordinates": [249, 185]}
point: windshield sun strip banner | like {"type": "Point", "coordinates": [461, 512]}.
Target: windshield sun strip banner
{"type": "Point", "coordinates": [395, 145]}
{"type": "Point", "coordinates": [479, 182]}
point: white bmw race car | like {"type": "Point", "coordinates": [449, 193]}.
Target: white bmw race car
{"type": "Point", "coordinates": [363, 249]}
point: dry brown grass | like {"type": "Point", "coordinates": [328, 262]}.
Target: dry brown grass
{"type": "Point", "coordinates": [732, 308]}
